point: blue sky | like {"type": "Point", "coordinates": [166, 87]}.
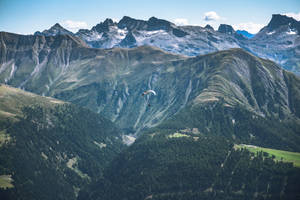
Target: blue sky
{"type": "Point", "coordinates": [28, 16]}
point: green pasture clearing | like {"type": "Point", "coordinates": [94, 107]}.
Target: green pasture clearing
{"type": "Point", "coordinates": [280, 155]}
{"type": "Point", "coordinates": [177, 135]}
{"type": "Point", "coordinates": [6, 181]}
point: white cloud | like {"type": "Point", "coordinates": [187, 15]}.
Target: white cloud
{"type": "Point", "coordinates": [115, 20]}
{"type": "Point", "coordinates": [74, 25]}
{"type": "Point", "coordinates": [296, 16]}
{"type": "Point", "coordinates": [211, 16]}
{"type": "Point", "coordinates": [248, 26]}
{"type": "Point", "coordinates": [181, 21]}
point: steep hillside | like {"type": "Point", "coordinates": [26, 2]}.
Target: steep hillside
{"type": "Point", "coordinates": [111, 81]}
{"type": "Point", "coordinates": [36, 61]}
{"type": "Point", "coordinates": [192, 155]}
{"type": "Point", "coordinates": [231, 97]}
{"type": "Point", "coordinates": [50, 149]}
{"type": "Point", "coordinates": [13, 99]}
{"type": "Point", "coordinates": [85, 76]}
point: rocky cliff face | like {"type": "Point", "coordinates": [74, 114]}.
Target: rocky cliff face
{"type": "Point", "coordinates": [281, 20]}
{"type": "Point", "coordinates": [111, 81]}
{"type": "Point", "coordinates": [225, 28]}
{"type": "Point", "coordinates": [278, 41]}
{"type": "Point", "coordinates": [27, 60]}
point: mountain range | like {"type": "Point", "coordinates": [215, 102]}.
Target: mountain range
{"type": "Point", "coordinates": [64, 67]}
{"type": "Point", "coordinates": [278, 41]}
{"type": "Point", "coordinates": [70, 102]}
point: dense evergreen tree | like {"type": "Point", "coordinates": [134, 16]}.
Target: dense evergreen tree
{"type": "Point", "coordinates": [55, 151]}
{"type": "Point", "coordinates": [192, 156]}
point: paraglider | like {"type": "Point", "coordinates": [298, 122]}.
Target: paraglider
{"type": "Point", "coordinates": [148, 92]}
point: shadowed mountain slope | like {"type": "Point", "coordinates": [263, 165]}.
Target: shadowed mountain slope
{"type": "Point", "coordinates": [50, 149]}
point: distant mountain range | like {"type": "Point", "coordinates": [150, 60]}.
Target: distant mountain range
{"type": "Point", "coordinates": [278, 41]}
{"type": "Point", "coordinates": [245, 33]}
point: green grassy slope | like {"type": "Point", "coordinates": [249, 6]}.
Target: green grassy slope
{"type": "Point", "coordinates": [12, 100]}
{"type": "Point", "coordinates": [279, 155]}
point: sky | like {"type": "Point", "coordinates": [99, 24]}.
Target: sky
{"type": "Point", "coordinates": [28, 16]}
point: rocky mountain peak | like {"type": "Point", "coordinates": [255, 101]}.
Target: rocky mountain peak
{"type": "Point", "coordinates": [126, 19]}
{"type": "Point", "coordinates": [158, 24]}
{"type": "Point", "coordinates": [104, 26]}
{"type": "Point", "coordinates": [57, 25]}
{"type": "Point", "coordinates": [225, 28]}
{"type": "Point", "coordinates": [209, 27]}
{"type": "Point", "coordinates": [56, 29]}
{"type": "Point", "coordinates": [130, 23]}
{"type": "Point", "coordinates": [281, 20]}
{"type": "Point", "coordinates": [109, 22]}
{"type": "Point", "coordinates": [151, 25]}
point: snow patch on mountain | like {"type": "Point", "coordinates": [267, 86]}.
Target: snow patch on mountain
{"type": "Point", "coordinates": [290, 32]}
{"type": "Point", "coordinates": [271, 33]}
{"type": "Point", "coordinates": [118, 33]}
{"type": "Point", "coordinates": [93, 36]}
